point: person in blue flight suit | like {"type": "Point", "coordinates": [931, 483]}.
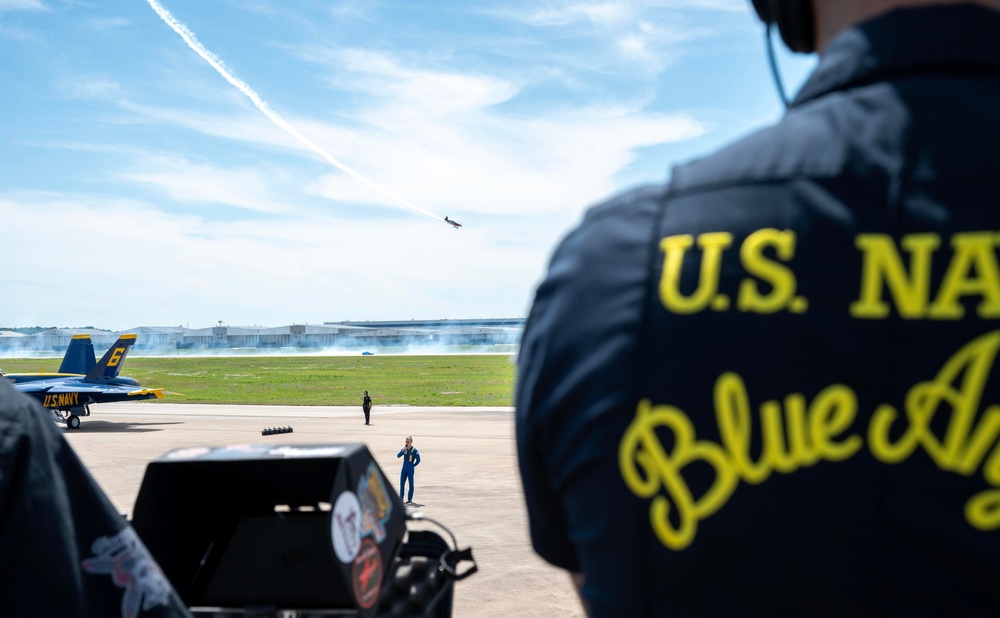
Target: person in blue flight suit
{"type": "Point", "coordinates": [769, 387]}
{"type": "Point", "coordinates": [411, 459]}
{"type": "Point", "coordinates": [64, 548]}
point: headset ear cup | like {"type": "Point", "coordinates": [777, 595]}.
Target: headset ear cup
{"type": "Point", "coordinates": [796, 23]}
{"type": "Point", "coordinates": [764, 10]}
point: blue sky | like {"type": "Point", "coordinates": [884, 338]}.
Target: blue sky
{"type": "Point", "coordinates": [139, 187]}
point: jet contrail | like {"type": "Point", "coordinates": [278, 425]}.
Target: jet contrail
{"type": "Point", "coordinates": [259, 103]}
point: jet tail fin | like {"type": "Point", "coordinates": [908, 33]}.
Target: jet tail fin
{"type": "Point", "coordinates": [79, 357]}
{"type": "Point", "coordinates": [111, 363]}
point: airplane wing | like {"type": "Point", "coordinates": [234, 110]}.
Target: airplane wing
{"type": "Point", "coordinates": [76, 388]}
{"type": "Point", "coordinates": [109, 393]}
{"type": "Point", "coordinates": [43, 378]}
{"type": "Point", "coordinates": [97, 393]}
{"type": "Point", "coordinates": [61, 386]}
{"type": "Point", "coordinates": [38, 386]}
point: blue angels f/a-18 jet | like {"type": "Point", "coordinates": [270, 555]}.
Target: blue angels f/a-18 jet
{"type": "Point", "coordinates": [82, 380]}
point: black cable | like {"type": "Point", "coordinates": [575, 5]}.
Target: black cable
{"type": "Point", "coordinates": [774, 66]}
{"type": "Point", "coordinates": [451, 557]}
{"type": "Point", "coordinates": [418, 516]}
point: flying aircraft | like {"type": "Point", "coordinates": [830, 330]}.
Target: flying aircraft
{"type": "Point", "coordinates": [82, 381]}
{"type": "Point", "coordinates": [454, 224]}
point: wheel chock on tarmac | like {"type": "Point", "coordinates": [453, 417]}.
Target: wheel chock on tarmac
{"type": "Point", "coordinates": [270, 431]}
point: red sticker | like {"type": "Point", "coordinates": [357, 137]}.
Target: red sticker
{"type": "Point", "coordinates": [366, 574]}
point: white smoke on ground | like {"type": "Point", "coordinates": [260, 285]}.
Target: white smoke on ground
{"type": "Point", "coordinates": [260, 104]}
{"type": "Point", "coordinates": [56, 354]}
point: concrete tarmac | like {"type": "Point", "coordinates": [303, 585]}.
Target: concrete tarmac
{"type": "Point", "coordinates": [467, 478]}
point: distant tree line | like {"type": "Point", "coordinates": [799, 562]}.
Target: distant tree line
{"type": "Point", "coordinates": [31, 330]}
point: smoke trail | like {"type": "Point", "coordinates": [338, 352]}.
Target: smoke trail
{"type": "Point", "coordinates": [259, 103]}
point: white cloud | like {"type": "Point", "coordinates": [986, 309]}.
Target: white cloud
{"type": "Point", "coordinates": [486, 164]}
{"type": "Point", "coordinates": [107, 23]}
{"type": "Point", "coordinates": [530, 166]}
{"type": "Point", "coordinates": [271, 271]}
{"type": "Point", "coordinates": [349, 10]}
{"type": "Point", "coordinates": [481, 160]}
{"type": "Point", "coordinates": [380, 75]}
{"type": "Point", "coordinates": [250, 125]}
{"type": "Point", "coordinates": [22, 5]}
{"type": "Point", "coordinates": [620, 38]}
{"type": "Point", "coordinates": [607, 15]}
{"type": "Point", "coordinates": [709, 5]}
{"type": "Point", "coordinates": [84, 87]}
{"type": "Point", "coordinates": [194, 207]}
{"type": "Point", "coordinates": [18, 34]}
{"type": "Point", "coordinates": [438, 136]}
{"type": "Point", "coordinates": [561, 14]}
{"type": "Point", "coordinates": [249, 188]}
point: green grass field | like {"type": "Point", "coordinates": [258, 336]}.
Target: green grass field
{"type": "Point", "coordinates": [448, 380]}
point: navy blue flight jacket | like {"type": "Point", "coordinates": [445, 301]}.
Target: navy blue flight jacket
{"type": "Point", "coordinates": [770, 387]}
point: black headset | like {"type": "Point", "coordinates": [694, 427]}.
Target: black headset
{"type": "Point", "coordinates": [794, 19]}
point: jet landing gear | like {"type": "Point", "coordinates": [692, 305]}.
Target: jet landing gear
{"type": "Point", "coordinates": [70, 417]}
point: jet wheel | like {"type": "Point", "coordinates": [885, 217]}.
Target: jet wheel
{"type": "Point", "coordinates": [73, 422]}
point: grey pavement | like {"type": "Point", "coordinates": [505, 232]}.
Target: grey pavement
{"type": "Point", "coordinates": [467, 478]}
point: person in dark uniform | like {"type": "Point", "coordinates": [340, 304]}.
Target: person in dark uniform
{"type": "Point", "coordinates": [770, 386]}
{"type": "Point", "coordinates": [64, 549]}
{"type": "Point", "coordinates": [411, 459]}
{"type": "Point", "coordinates": [366, 405]}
